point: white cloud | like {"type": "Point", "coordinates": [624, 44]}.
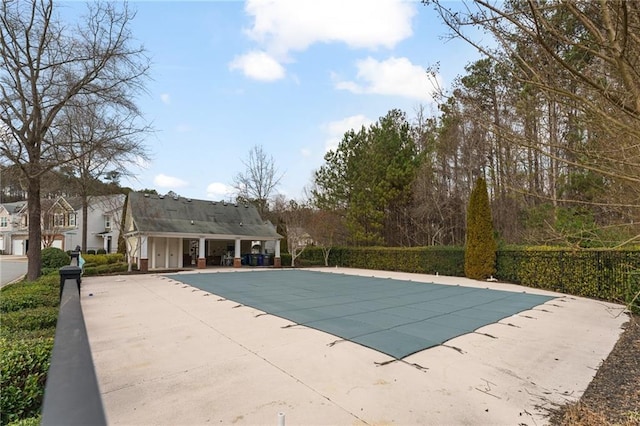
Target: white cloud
{"type": "Point", "coordinates": [165, 98]}
{"type": "Point", "coordinates": [288, 25]}
{"type": "Point", "coordinates": [395, 76]}
{"type": "Point", "coordinates": [337, 129]}
{"type": "Point", "coordinates": [219, 191]}
{"type": "Point", "coordinates": [258, 66]}
{"type": "Point", "coordinates": [164, 181]}
{"type": "Point", "coordinates": [284, 26]}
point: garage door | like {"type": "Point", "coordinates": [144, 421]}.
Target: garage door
{"type": "Point", "coordinates": [18, 247]}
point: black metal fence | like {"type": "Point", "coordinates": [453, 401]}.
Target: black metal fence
{"type": "Point", "coordinates": [612, 275]}
{"type": "Point", "coordinates": [72, 395]}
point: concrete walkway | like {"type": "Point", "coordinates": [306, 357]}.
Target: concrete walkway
{"type": "Point", "coordinates": [169, 354]}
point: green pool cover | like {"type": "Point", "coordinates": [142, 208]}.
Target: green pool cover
{"type": "Point", "coordinates": [395, 317]}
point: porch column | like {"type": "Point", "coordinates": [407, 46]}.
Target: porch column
{"type": "Point", "coordinates": [144, 256]}
{"type": "Point", "coordinates": [277, 263]}
{"type": "Point", "coordinates": [202, 260]}
{"type": "Point", "coordinates": [154, 263]}
{"type": "Point", "coordinates": [179, 253]}
{"type": "Point", "coordinates": [166, 252]}
{"type": "Point", "coordinates": [237, 262]}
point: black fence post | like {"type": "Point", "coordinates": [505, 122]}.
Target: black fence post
{"type": "Point", "coordinates": [69, 273]}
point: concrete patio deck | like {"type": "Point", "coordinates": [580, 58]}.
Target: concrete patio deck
{"type": "Point", "coordinates": [168, 353]}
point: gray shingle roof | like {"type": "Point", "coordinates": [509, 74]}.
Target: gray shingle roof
{"type": "Point", "coordinates": [158, 214]}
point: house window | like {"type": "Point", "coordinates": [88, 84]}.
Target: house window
{"type": "Point", "coordinates": [72, 219]}
{"type": "Point", "coordinates": [58, 220]}
{"type": "Point", "coordinates": [107, 222]}
{"type": "Point", "coordinates": [3, 222]}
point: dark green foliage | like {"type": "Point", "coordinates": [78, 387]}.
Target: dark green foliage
{"type": "Point", "coordinates": [610, 275]}
{"type": "Point", "coordinates": [29, 316]}
{"type": "Point", "coordinates": [425, 260]}
{"type": "Point", "coordinates": [285, 259]}
{"type": "Point", "coordinates": [44, 292]}
{"type": "Point", "coordinates": [369, 177]}
{"type": "Point", "coordinates": [102, 259]}
{"type": "Point", "coordinates": [30, 421]}
{"type": "Point", "coordinates": [284, 248]}
{"type": "Point", "coordinates": [23, 365]}
{"type": "Point", "coordinates": [53, 257]}
{"type": "Point", "coordinates": [30, 319]}
{"type": "Point", "coordinates": [101, 251]}
{"type": "Point", "coordinates": [481, 246]}
{"type": "Point", "coordinates": [105, 269]}
{"type": "Point", "coordinates": [91, 252]}
{"type": "Point", "coordinates": [122, 243]}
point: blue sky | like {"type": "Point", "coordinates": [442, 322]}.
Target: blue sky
{"type": "Point", "coordinates": [291, 76]}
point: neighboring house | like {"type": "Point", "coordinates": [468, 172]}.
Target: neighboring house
{"type": "Point", "coordinates": [104, 216]}
{"type": "Point", "coordinates": [174, 232]}
{"type": "Point", "coordinates": [62, 224]}
{"type": "Point", "coordinates": [13, 228]}
{"type": "Point", "coordinates": [57, 217]}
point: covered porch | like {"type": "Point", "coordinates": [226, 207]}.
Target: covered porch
{"type": "Point", "coordinates": [155, 252]}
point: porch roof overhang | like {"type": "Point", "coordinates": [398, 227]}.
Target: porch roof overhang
{"type": "Point", "coordinates": [186, 235]}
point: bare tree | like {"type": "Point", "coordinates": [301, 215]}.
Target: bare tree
{"type": "Point", "coordinates": [47, 67]}
{"type": "Point", "coordinates": [327, 228]}
{"type": "Point", "coordinates": [575, 82]}
{"type": "Point", "coordinates": [102, 144]}
{"type": "Point", "coordinates": [259, 180]}
{"type": "Point", "coordinates": [295, 217]}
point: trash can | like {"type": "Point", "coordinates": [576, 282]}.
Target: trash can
{"type": "Point", "coordinates": [266, 260]}
{"type": "Point", "coordinates": [254, 260]}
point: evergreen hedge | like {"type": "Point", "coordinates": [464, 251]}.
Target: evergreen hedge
{"type": "Point", "coordinates": [29, 315]}
{"type": "Point", "coordinates": [425, 260]}
{"type": "Point", "coordinates": [611, 275]}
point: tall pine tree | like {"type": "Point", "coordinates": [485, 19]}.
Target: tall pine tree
{"type": "Point", "coordinates": [480, 248]}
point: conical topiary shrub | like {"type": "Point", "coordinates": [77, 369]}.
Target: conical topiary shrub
{"type": "Point", "coordinates": [480, 247]}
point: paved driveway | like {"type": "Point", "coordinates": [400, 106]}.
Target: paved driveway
{"type": "Point", "coordinates": [169, 353]}
{"type": "Point", "coordinates": [12, 268]}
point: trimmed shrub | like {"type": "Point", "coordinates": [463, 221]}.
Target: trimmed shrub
{"type": "Point", "coordinates": [110, 268]}
{"type": "Point", "coordinates": [101, 251]}
{"type": "Point", "coordinates": [91, 252]}
{"type": "Point", "coordinates": [44, 292]}
{"type": "Point", "coordinates": [23, 366]}
{"type": "Point", "coordinates": [424, 260]}
{"type": "Point", "coordinates": [53, 257]}
{"type": "Point", "coordinates": [31, 319]}
{"type": "Point", "coordinates": [102, 259]}
{"type": "Point", "coordinates": [31, 421]}
{"type": "Point", "coordinates": [480, 247]}
{"type": "Point", "coordinates": [285, 260]}
{"type": "Point", "coordinates": [610, 275]}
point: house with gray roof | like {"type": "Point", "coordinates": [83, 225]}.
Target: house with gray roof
{"type": "Point", "coordinates": [164, 232]}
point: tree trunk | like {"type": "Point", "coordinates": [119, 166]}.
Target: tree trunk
{"type": "Point", "coordinates": [34, 250]}
{"type": "Point", "coordinates": [85, 214]}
